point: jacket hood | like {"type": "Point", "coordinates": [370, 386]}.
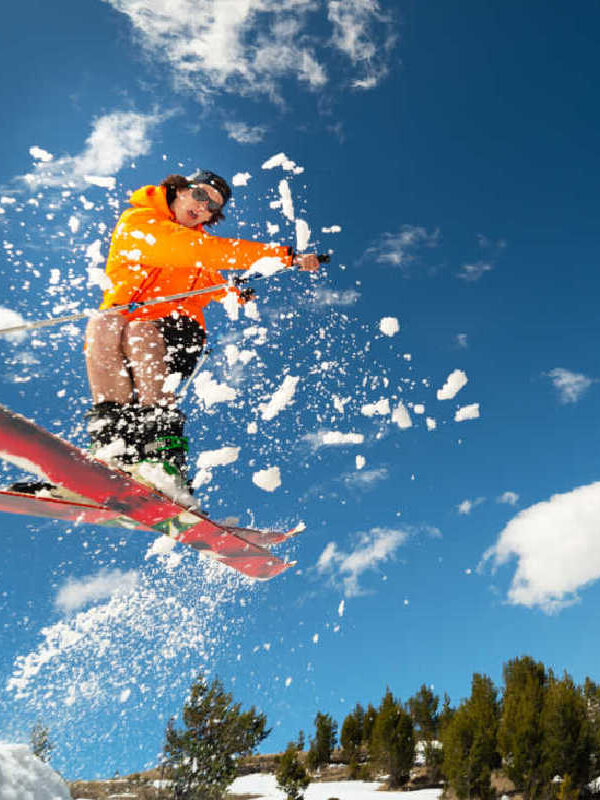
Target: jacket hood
{"type": "Point", "coordinates": [154, 197]}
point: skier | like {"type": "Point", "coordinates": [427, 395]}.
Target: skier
{"type": "Point", "coordinates": [160, 247]}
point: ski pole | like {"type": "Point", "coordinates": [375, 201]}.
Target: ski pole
{"type": "Point", "coordinates": [131, 307]}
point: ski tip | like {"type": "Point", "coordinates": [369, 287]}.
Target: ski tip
{"type": "Point", "coordinates": [300, 527]}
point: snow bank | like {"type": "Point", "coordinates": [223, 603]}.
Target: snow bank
{"type": "Point", "coordinates": [25, 777]}
{"type": "Point", "coordinates": [264, 787]}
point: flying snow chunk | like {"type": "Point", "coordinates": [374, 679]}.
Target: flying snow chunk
{"type": "Point", "coordinates": [360, 462]}
{"type": "Point", "coordinates": [302, 235]}
{"type": "Point", "coordinates": [267, 479]}
{"type": "Point", "coordinates": [431, 424]}
{"type": "Point", "coordinates": [11, 319]}
{"type": "Point", "coordinates": [288, 681]}
{"type": "Point", "coordinates": [419, 408]}
{"type": "Point", "coordinates": [341, 608]}
{"type": "Point", "coordinates": [287, 204]}
{"type": "Point", "coordinates": [241, 179]}
{"type": "Point", "coordinates": [389, 326]}
{"type": "Point", "coordinates": [454, 383]}
{"type": "Point", "coordinates": [231, 305]}
{"type": "Point", "coordinates": [467, 412]}
{"type": "Point", "coordinates": [210, 392]}
{"type": "Point", "coordinates": [74, 224]}
{"type": "Point", "coordinates": [284, 396]}
{"type": "Point", "coordinates": [401, 417]}
{"type": "Point", "coordinates": [281, 160]}
{"type": "Point", "coordinates": [335, 438]}
{"type": "Point", "coordinates": [102, 181]}
{"type": "Point", "coordinates": [218, 458]}
{"type": "Point", "coordinates": [125, 695]}
{"type": "Point", "coordinates": [40, 154]}
{"type": "Point", "coordinates": [267, 266]}
{"type": "Point", "coordinates": [380, 408]}
{"type": "Point", "coordinates": [23, 776]}
{"type": "Point", "coordinates": [332, 229]}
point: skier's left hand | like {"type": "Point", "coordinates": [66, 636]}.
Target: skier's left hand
{"type": "Point", "coordinates": [306, 263]}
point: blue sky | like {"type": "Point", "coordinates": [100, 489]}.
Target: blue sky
{"type": "Point", "coordinates": [457, 153]}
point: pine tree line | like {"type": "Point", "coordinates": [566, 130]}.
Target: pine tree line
{"type": "Point", "coordinates": [542, 730]}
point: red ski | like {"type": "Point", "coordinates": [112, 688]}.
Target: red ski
{"type": "Point", "coordinates": [33, 505]}
{"type": "Point", "coordinates": [26, 444]}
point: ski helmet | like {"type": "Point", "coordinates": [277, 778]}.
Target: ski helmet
{"type": "Point", "coordinates": [211, 179]}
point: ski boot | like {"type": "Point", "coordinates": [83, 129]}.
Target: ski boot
{"type": "Point", "coordinates": [162, 452]}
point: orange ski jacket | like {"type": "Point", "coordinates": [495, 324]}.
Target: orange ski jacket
{"type": "Point", "coordinates": [151, 255]}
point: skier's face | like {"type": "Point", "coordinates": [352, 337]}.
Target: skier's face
{"type": "Point", "coordinates": [190, 211]}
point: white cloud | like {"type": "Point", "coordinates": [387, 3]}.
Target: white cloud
{"type": "Point", "coordinates": [371, 550]}
{"type": "Point", "coordinates": [115, 139]}
{"type": "Point", "coordinates": [466, 506]}
{"type": "Point", "coordinates": [245, 134]}
{"type": "Point", "coordinates": [569, 385]}
{"type": "Point", "coordinates": [355, 35]}
{"type": "Point", "coordinates": [331, 297]}
{"type": "Point", "coordinates": [366, 478]}
{"type": "Point", "coordinates": [249, 47]}
{"type": "Point", "coordinates": [454, 383]}
{"type": "Point", "coordinates": [557, 548]}
{"type": "Point", "coordinates": [510, 498]}
{"type": "Point", "coordinates": [93, 588]}
{"type": "Point", "coordinates": [473, 272]}
{"type": "Point", "coordinates": [400, 249]}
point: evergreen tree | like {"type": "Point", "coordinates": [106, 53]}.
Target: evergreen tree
{"type": "Point", "coordinates": [423, 710]}
{"type": "Point", "coordinates": [591, 693]}
{"type": "Point", "coordinates": [469, 741]}
{"type": "Point", "coordinates": [368, 723]}
{"type": "Point", "coordinates": [392, 743]}
{"type": "Point", "coordinates": [352, 733]}
{"type": "Point", "coordinates": [520, 732]}
{"type": "Point", "coordinates": [41, 746]}
{"type": "Point", "coordinates": [445, 715]}
{"type": "Point", "coordinates": [324, 741]}
{"type": "Point", "coordinates": [301, 741]}
{"type": "Point", "coordinates": [291, 775]}
{"type": "Point", "coordinates": [567, 734]}
{"type": "Point", "coordinates": [216, 732]}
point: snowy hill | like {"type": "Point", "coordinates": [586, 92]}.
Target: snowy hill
{"type": "Point", "coordinates": [25, 777]}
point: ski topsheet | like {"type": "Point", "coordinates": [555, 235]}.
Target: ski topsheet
{"type": "Point", "coordinates": [33, 448]}
{"type": "Point", "coordinates": [39, 505]}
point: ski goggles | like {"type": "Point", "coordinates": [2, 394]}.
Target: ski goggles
{"type": "Point", "coordinates": [201, 195]}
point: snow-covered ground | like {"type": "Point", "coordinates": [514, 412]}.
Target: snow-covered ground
{"type": "Point", "coordinates": [25, 777]}
{"type": "Point", "coordinates": [265, 788]}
